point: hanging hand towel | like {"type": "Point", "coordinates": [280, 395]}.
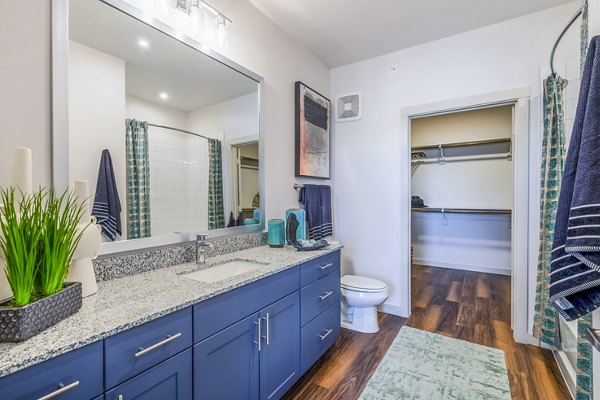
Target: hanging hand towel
{"type": "Point", "coordinates": [107, 207]}
{"type": "Point", "coordinates": [316, 200]}
{"type": "Point", "coordinates": [575, 276]}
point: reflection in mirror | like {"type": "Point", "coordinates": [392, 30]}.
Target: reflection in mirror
{"type": "Point", "coordinates": [167, 135]}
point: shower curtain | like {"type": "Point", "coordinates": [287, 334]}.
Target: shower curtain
{"type": "Point", "coordinates": [216, 217]}
{"type": "Point", "coordinates": [546, 327]}
{"type": "Point", "coordinates": [138, 180]}
{"type": "Point", "coordinates": [553, 157]}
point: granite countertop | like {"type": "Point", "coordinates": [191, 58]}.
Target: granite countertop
{"type": "Point", "coordinates": [126, 302]}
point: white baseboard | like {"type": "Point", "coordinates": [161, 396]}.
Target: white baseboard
{"type": "Point", "coordinates": [566, 370]}
{"type": "Point", "coordinates": [466, 267]}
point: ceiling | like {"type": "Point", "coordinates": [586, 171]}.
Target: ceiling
{"type": "Point", "coordinates": [341, 32]}
{"type": "Point", "coordinates": [190, 78]}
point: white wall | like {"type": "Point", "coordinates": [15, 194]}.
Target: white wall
{"type": "Point", "coordinates": [366, 167]}
{"type": "Point", "coordinates": [474, 242]}
{"type": "Point", "coordinates": [97, 118]}
{"type": "Point", "coordinates": [227, 120]}
{"type": "Point", "coordinates": [25, 81]}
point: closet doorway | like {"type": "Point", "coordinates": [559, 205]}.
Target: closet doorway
{"type": "Point", "coordinates": [467, 250]}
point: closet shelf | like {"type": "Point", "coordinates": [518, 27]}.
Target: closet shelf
{"type": "Point", "coordinates": [461, 210]}
{"type": "Point", "coordinates": [461, 144]}
{"type": "Point", "coordinates": [463, 151]}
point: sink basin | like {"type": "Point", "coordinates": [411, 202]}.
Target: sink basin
{"type": "Point", "coordinates": [223, 271]}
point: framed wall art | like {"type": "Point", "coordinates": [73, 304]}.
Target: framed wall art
{"type": "Point", "coordinates": [313, 133]}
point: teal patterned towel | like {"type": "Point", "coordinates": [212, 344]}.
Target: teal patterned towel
{"type": "Point", "coordinates": [426, 366]}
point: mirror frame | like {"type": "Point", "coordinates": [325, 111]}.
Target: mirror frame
{"type": "Point", "coordinates": [60, 121]}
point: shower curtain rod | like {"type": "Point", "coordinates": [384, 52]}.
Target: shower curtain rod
{"type": "Point", "coordinates": [179, 130]}
{"type": "Point", "coordinates": [571, 21]}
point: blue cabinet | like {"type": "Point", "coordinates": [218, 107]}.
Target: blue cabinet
{"type": "Point", "coordinates": [251, 343]}
{"type": "Point", "coordinates": [280, 350]}
{"type": "Point", "coordinates": [171, 379]}
{"type": "Point", "coordinates": [256, 358]}
{"type": "Point", "coordinates": [226, 364]}
{"type": "Point", "coordinates": [74, 375]}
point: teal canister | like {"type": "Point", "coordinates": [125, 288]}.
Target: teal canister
{"type": "Point", "coordinates": [301, 217]}
{"type": "Point", "coordinates": [276, 235]}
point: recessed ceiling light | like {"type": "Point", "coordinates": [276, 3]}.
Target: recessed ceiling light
{"type": "Point", "coordinates": [143, 43]}
{"type": "Point", "coordinates": [163, 95]}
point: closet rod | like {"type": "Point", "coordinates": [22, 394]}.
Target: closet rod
{"type": "Point", "coordinates": [461, 210]}
{"type": "Point", "coordinates": [178, 130]}
{"type": "Point", "coordinates": [461, 144]}
{"type": "Point", "coordinates": [502, 156]}
{"type": "Point", "coordinates": [571, 21]}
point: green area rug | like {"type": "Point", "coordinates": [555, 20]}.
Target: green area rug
{"type": "Point", "coordinates": [424, 365]}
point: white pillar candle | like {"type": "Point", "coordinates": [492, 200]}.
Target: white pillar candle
{"type": "Point", "coordinates": [20, 171]}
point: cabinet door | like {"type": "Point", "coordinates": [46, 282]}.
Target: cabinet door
{"type": "Point", "coordinates": [226, 363]}
{"type": "Point", "coordinates": [280, 355]}
{"type": "Point", "coordinates": [171, 379]}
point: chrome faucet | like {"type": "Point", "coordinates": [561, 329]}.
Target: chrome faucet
{"type": "Point", "coordinates": [201, 246]}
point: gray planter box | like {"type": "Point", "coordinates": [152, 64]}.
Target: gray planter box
{"type": "Point", "coordinates": [20, 323]}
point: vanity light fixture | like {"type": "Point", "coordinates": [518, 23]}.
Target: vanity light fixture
{"type": "Point", "coordinates": [199, 23]}
{"type": "Point", "coordinates": [163, 95]}
{"type": "Point", "coordinates": [143, 43]}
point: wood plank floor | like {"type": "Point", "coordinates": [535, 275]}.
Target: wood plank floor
{"type": "Point", "coordinates": [465, 305]}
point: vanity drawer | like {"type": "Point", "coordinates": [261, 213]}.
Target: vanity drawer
{"type": "Point", "coordinates": [169, 380]}
{"type": "Point", "coordinates": [138, 349]}
{"type": "Point", "coordinates": [79, 372]}
{"type": "Point", "coordinates": [216, 314]}
{"type": "Point", "coordinates": [318, 336]}
{"type": "Point", "coordinates": [318, 268]}
{"type": "Point", "coordinates": [319, 295]}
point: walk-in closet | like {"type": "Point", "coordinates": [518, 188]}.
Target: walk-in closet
{"type": "Point", "coordinates": [462, 183]}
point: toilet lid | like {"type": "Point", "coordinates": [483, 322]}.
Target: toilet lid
{"type": "Point", "coordinates": [362, 283]}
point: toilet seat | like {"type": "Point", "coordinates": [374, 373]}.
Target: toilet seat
{"type": "Point", "coordinates": [362, 284]}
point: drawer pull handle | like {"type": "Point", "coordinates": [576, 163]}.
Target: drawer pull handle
{"type": "Point", "coordinates": [326, 295]}
{"type": "Point", "coordinates": [259, 335]}
{"type": "Point", "coordinates": [324, 267]}
{"type": "Point", "coordinates": [169, 338]}
{"type": "Point", "coordinates": [61, 390]}
{"type": "Point", "coordinates": [327, 333]}
{"type": "Point", "coordinates": [266, 318]}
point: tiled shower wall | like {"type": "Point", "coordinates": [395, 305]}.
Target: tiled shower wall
{"type": "Point", "coordinates": [178, 182]}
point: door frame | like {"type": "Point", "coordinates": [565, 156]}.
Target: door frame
{"type": "Point", "coordinates": [521, 233]}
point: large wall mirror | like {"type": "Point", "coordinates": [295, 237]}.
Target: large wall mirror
{"type": "Point", "coordinates": [179, 128]}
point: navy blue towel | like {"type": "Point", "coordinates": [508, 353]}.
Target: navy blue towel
{"type": "Point", "coordinates": [107, 207]}
{"type": "Point", "coordinates": [316, 200]}
{"type": "Point", "coordinates": [575, 276]}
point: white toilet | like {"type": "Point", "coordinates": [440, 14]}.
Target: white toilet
{"type": "Point", "coordinates": [360, 298]}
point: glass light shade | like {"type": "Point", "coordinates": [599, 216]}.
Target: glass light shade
{"type": "Point", "coordinates": [222, 34]}
{"type": "Point", "coordinates": [165, 7]}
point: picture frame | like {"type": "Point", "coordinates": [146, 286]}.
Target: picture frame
{"type": "Point", "coordinates": [313, 133]}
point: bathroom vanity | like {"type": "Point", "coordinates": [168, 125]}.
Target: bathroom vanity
{"type": "Point", "coordinates": [162, 335]}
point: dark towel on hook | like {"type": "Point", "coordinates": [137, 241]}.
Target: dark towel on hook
{"type": "Point", "coordinates": [575, 276]}
{"type": "Point", "coordinates": [316, 200]}
{"type": "Point", "coordinates": [107, 206]}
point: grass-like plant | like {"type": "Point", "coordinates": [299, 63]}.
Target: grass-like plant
{"type": "Point", "coordinates": [59, 239]}
{"type": "Point", "coordinates": [21, 227]}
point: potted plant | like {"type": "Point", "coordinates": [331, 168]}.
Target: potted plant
{"type": "Point", "coordinates": [38, 238]}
